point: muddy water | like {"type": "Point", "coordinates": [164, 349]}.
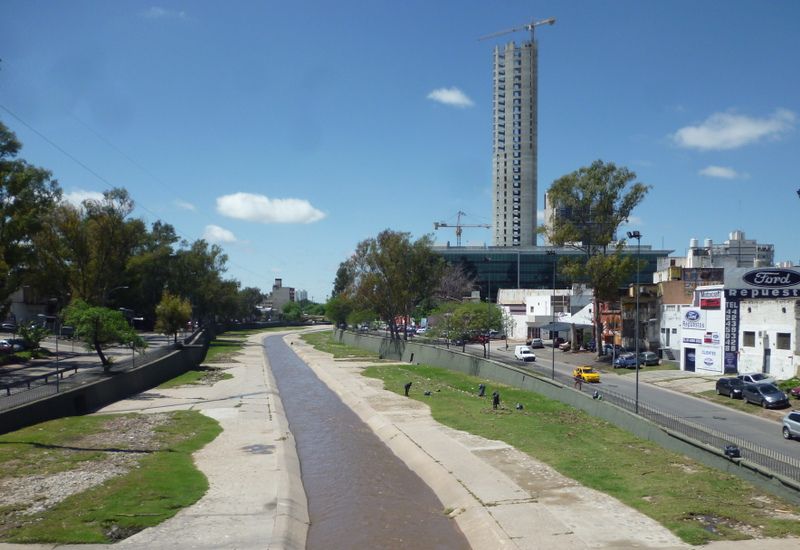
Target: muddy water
{"type": "Point", "coordinates": [360, 495]}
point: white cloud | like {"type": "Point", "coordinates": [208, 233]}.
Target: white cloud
{"type": "Point", "coordinates": [723, 172]}
{"type": "Point", "coordinates": [77, 197]}
{"type": "Point", "coordinates": [451, 96]}
{"type": "Point", "coordinates": [722, 131]}
{"type": "Point", "coordinates": [157, 12]}
{"type": "Point", "coordinates": [217, 234]}
{"type": "Point", "coordinates": [185, 205]}
{"type": "Point", "coordinates": [258, 208]}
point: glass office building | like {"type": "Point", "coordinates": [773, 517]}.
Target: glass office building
{"type": "Point", "coordinates": [496, 267]}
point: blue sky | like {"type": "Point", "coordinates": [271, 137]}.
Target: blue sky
{"type": "Point", "coordinates": [289, 131]}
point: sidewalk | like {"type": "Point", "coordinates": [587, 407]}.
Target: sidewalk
{"type": "Point", "coordinates": [500, 497]}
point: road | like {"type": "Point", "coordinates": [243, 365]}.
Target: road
{"type": "Point", "coordinates": [760, 431]}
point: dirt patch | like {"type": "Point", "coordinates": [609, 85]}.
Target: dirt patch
{"type": "Point", "coordinates": [123, 442]}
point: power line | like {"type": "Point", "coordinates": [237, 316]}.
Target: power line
{"type": "Point", "coordinates": [104, 180]}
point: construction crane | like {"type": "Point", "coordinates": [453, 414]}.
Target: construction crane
{"type": "Point", "coordinates": [527, 27]}
{"type": "Point", "coordinates": [459, 226]}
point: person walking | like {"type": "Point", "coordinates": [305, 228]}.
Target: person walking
{"type": "Point", "coordinates": [495, 399]}
{"type": "Point", "coordinates": [578, 382]}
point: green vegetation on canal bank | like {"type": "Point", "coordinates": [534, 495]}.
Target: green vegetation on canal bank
{"type": "Point", "coordinates": [697, 503]}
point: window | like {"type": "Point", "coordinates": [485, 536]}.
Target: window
{"type": "Point", "coordinates": [674, 331]}
{"type": "Point", "coordinates": [749, 339]}
{"type": "Point", "coordinates": [783, 340]}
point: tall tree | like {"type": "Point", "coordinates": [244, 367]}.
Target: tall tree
{"type": "Point", "coordinates": [393, 275]}
{"type": "Point", "coordinates": [27, 193]}
{"type": "Point", "coordinates": [589, 206]}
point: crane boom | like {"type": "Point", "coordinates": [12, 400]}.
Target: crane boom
{"type": "Point", "coordinates": [527, 27]}
{"type": "Point", "coordinates": [458, 225]}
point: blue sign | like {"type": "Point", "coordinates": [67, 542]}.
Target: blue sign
{"type": "Point", "coordinates": [772, 278]}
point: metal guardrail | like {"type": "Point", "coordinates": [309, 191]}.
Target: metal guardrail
{"type": "Point", "coordinates": [46, 385]}
{"type": "Point", "coordinates": [769, 459]}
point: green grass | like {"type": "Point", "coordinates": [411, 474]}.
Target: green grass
{"type": "Point", "coordinates": [165, 481]}
{"type": "Point", "coordinates": [198, 375]}
{"type": "Point", "coordinates": [227, 344]}
{"type": "Point", "coordinates": [681, 494]}
{"type": "Point", "coordinates": [323, 341]}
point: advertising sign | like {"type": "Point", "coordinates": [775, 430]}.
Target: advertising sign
{"type": "Point", "coordinates": [708, 358]}
{"type": "Point", "coordinates": [764, 282]}
{"type": "Point", "coordinates": [693, 318]}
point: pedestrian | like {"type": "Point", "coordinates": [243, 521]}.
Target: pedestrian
{"type": "Point", "coordinates": [481, 390]}
{"type": "Point", "coordinates": [407, 387]}
{"type": "Point", "coordinates": [495, 399]}
{"type": "Point", "coordinates": [578, 382]}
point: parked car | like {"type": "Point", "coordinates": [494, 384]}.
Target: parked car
{"type": "Point", "coordinates": [524, 353]}
{"type": "Point", "coordinates": [732, 387]}
{"type": "Point", "coordinates": [536, 343]}
{"type": "Point", "coordinates": [5, 346]}
{"type": "Point", "coordinates": [496, 335]}
{"type": "Point", "coordinates": [17, 344]}
{"type": "Point", "coordinates": [791, 425]}
{"type": "Point", "coordinates": [615, 349]}
{"type": "Point", "coordinates": [648, 358]}
{"type": "Point", "coordinates": [565, 346]}
{"type": "Point", "coordinates": [766, 395]}
{"type": "Point", "coordinates": [8, 327]}
{"type": "Point", "coordinates": [756, 378]}
{"type": "Point", "coordinates": [587, 374]}
{"type": "Point", "coordinates": [625, 361]}
{"type": "Point", "coordinates": [795, 392]}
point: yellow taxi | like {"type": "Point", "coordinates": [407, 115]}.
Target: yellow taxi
{"type": "Point", "coordinates": [587, 374]}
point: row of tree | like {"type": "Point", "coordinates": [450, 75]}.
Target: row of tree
{"type": "Point", "coordinates": [97, 255]}
{"type": "Point", "coordinates": [392, 279]}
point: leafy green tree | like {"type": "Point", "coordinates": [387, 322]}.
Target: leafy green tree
{"type": "Point", "coordinates": [338, 309]}
{"type": "Point", "coordinates": [33, 335]}
{"type": "Point", "coordinates": [100, 327]}
{"type": "Point", "coordinates": [392, 276]}
{"type": "Point", "coordinates": [344, 278]}
{"type": "Point", "coordinates": [249, 298]}
{"type": "Point", "coordinates": [292, 312]}
{"type": "Point", "coordinates": [149, 270]}
{"type": "Point", "coordinates": [590, 205]}
{"type": "Point", "coordinates": [172, 314]}
{"type": "Point", "coordinates": [478, 319]}
{"type": "Point", "coordinates": [27, 194]}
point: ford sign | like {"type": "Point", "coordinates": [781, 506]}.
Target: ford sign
{"type": "Point", "coordinates": [692, 315]}
{"type": "Point", "coordinates": [772, 278]}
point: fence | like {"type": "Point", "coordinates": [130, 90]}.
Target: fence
{"type": "Point", "coordinates": [46, 385]}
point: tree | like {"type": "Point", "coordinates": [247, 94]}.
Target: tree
{"type": "Point", "coordinates": [249, 298]}
{"type": "Point", "coordinates": [172, 314]}
{"type": "Point", "coordinates": [292, 312]}
{"type": "Point", "coordinates": [344, 278]}
{"type": "Point", "coordinates": [455, 284]}
{"type": "Point", "coordinates": [589, 206]}
{"type": "Point", "coordinates": [100, 327]}
{"type": "Point", "coordinates": [477, 319]}
{"type": "Point", "coordinates": [392, 276]}
{"type": "Point", "coordinates": [27, 194]}
{"type": "Point", "coordinates": [338, 309]}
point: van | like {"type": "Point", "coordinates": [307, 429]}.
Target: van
{"type": "Point", "coordinates": [524, 353]}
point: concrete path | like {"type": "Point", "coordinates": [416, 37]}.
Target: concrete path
{"type": "Point", "coordinates": [501, 498]}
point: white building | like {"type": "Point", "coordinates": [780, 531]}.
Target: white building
{"type": "Point", "coordinates": [532, 308]}
{"type": "Point", "coordinates": [749, 324]}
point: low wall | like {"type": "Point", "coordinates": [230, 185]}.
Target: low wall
{"type": "Point", "coordinates": [454, 359]}
{"type": "Point", "coordinates": [100, 389]}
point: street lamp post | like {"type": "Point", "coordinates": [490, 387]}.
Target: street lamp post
{"type": "Point", "coordinates": [638, 236]}
{"type": "Point", "coordinates": [553, 312]}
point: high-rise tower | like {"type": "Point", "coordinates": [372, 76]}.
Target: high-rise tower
{"type": "Point", "coordinates": [514, 156]}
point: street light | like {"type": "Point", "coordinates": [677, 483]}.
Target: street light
{"type": "Point", "coordinates": [638, 236]}
{"type": "Point", "coordinates": [553, 311]}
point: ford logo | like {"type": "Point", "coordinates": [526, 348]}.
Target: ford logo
{"type": "Point", "coordinates": [708, 361]}
{"type": "Point", "coordinates": [692, 315]}
{"type": "Point", "coordinates": [772, 278]}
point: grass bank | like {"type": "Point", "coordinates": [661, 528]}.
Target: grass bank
{"type": "Point", "coordinates": [161, 477]}
{"type": "Point", "coordinates": [697, 503]}
{"type": "Point", "coordinates": [227, 344]}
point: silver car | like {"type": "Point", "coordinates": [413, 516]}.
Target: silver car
{"type": "Point", "coordinates": [766, 395]}
{"type": "Point", "coordinates": [791, 425]}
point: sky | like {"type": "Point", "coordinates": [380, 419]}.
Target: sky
{"type": "Point", "coordinates": [287, 132]}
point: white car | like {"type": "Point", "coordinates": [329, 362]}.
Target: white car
{"type": "Point", "coordinates": [537, 343]}
{"type": "Point", "coordinates": [524, 353]}
{"type": "Point", "coordinates": [756, 378]}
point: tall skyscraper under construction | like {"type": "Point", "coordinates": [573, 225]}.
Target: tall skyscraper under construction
{"type": "Point", "coordinates": [514, 162]}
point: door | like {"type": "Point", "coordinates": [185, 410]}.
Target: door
{"type": "Point", "coordinates": [688, 359]}
{"type": "Point", "coordinates": [767, 356]}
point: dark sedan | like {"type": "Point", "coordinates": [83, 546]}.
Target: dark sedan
{"type": "Point", "coordinates": [732, 387]}
{"type": "Point", "coordinates": [766, 395]}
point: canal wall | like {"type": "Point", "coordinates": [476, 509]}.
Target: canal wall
{"type": "Point", "coordinates": [454, 359]}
